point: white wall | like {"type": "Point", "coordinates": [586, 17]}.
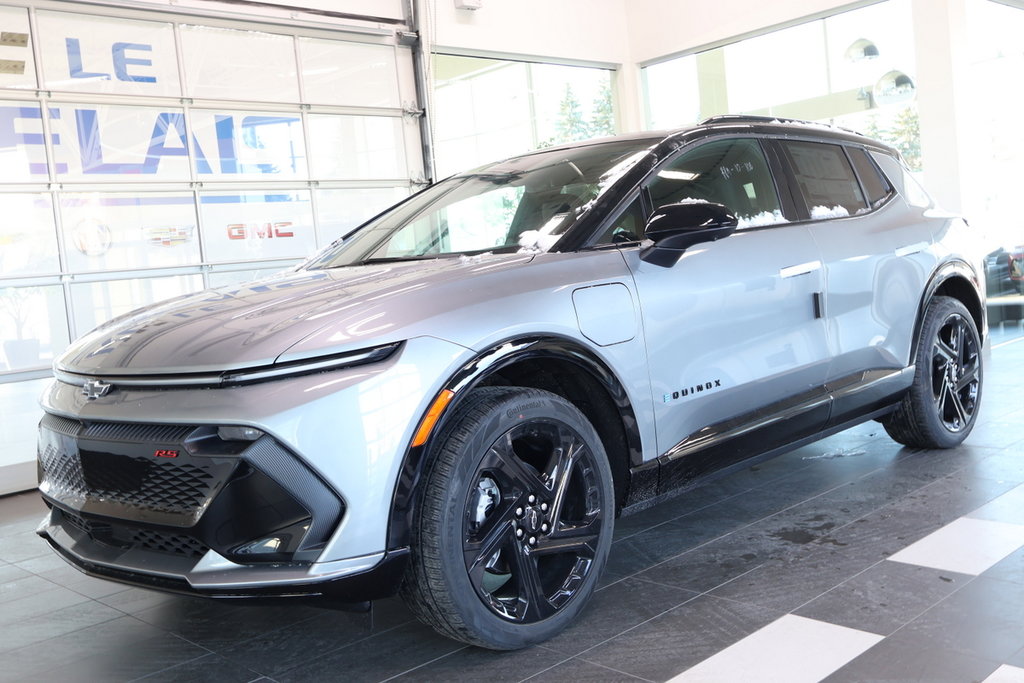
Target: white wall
{"type": "Point", "coordinates": [662, 27]}
{"type": "Point", "coordinates": [579, 30]}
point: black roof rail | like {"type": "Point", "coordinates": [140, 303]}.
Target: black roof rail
{"type": "Point", "coordinates": [752, 118]}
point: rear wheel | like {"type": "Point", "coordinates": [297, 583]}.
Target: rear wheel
{"type": "Point", "coordinates": [515, 522]}
{"type": "Point", "coordinates": [941, 407]}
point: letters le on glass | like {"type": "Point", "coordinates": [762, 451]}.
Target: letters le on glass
{"type": "Point", "coordinates": [85, 53]}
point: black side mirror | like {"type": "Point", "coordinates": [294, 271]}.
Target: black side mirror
{"type": "Point", "coordinates": [676, 227]}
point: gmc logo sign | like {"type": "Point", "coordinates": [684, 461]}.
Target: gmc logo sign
{"type": "Point", "coordinates": [244, 231]}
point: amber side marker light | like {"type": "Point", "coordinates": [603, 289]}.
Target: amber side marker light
{"type": "Point", "coordinates": [436, 408]}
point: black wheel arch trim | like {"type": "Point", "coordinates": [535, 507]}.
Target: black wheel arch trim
{"type": "Point", "coordinates": [947, 271]}
{"type": "Point", "coordinates": [474, 373]}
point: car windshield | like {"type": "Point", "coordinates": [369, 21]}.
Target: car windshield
{"type": "Point", "coordinates": [523, 204]}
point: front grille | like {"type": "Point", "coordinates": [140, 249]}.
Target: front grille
{"type": "Point", "coordinates": [112, 469]}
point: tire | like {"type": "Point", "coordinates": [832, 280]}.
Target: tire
{"type": "Point", "coordinates": [941, 407]}
{"type": "Point", "coordinates": [515, 520]}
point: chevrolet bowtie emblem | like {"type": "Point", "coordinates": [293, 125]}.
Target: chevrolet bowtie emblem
{"type": "Point", "coordinates": [94, 388]}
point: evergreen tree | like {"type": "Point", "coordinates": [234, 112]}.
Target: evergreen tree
{"type": "Point", "coordinates": [602, 118]}
{"type": "Point", "coordinates": [905, 135]}
{"type": "Point", "coordinates": [571, 125]}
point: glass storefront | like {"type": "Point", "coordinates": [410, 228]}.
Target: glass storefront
{"type": "Point", "coordinates": [149, 156]}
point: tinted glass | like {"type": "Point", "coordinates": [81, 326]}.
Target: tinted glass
{"type": "Point", "coordinates": [732, 172]}
{"type": "Point", "coordinates": [826, 179]}
{"type": "Point", "coordinates": [876, 186]}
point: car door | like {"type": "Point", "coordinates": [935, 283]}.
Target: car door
{"type": "Point", "coordinates": [877, 255]}
{"type": "Point", "coordinates": [733, 341]}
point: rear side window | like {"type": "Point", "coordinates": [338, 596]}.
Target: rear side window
{"type": "Point", "coordinates": [826, 179]}
{"type": "Point", "coordinates": [876, 185]}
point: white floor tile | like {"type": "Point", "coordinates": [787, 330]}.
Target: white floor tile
{"type": "Point", "coordinates": [791, 649]}
{"type": "Point", "coordinates": [1006, 674]}
{"type": "Point", "coordinates": [968, 546]}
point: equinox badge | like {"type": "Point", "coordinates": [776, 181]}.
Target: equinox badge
{"type": "Point", "coordinates": [94, 388]}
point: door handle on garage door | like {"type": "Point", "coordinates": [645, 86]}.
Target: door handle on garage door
{"type": "Point", "coordinates": [800, 269]}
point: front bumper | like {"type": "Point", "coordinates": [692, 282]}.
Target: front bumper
{"type": "Point", "coordinates": [141, 493]}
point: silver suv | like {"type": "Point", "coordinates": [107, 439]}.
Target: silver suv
{"type": "Point", "coordinates": [456, 400]}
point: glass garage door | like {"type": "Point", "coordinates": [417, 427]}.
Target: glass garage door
{"type": "Point", "coordinates": [145, 155]}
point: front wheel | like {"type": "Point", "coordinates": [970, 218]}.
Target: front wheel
{"type": "Point", "coordinates": [941, 407]}
{"type": "Point", "coordinates": [515, 521]}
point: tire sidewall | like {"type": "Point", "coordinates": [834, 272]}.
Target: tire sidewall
{"type": "Point", "coordinates": [939, 311]}
{"type": "Point", "coordinates": [514, 409]}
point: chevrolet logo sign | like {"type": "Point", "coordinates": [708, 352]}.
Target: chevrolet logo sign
{"type": "Point", "coordinates": [94, 388]}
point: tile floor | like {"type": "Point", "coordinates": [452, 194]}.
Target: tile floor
{"type": "Point", "coordinates": [850, 559]}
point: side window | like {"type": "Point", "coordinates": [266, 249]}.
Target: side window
{"type": "Point", "coordinates": [826, 179]}
{"type": "Point", "coordinates": [876, 185]}
{"type": "Point", "coordinates": [627, 227]}
{"type": "Point", "coordinates": [731, 172]}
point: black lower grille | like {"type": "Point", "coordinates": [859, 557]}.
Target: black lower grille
{"type": "Point", "coordinates": [128, 537]}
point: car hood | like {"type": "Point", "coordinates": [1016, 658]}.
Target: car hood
{"type": "Point", "coordinates": [311, 313]}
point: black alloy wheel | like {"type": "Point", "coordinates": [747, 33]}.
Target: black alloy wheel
{"type": "Point", "coordinates": [956, 373]}
{"type": "Point", "coordinates": [516, 520]}
{"type": "Point", "coordinates": [942, 405]}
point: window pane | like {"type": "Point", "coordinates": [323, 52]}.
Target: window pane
{"type": "Point", "coordinates": [17, 67]}
{"type": "Point", "coordinates": [19, 431]}
{"type": "Point", "coordinates": [22, 155]}
{"type": "Point", "coordinates": [489, 109]}
{"type": "Point", "coordinates": [120, 143]}
{"type": "Point", "coordinates": [94, 303]}
{"type": "Point", "coordinates": [248, 144]}
{"type": "Point", "coordinates": [341, 210]}
{"type": "Point", "coordinates": [102, 55]}
{"type": "Point", "coordinates": [33, 326]}
{"type": "Point", "coordinates": [826, 179]}
{"type": "Point", "coordinates": [110, 231]}
{"type": "Point", "coordinates": [350, 74]}
{"type": "Point", "coordinates": [733, 173]}
{"type": "Point", "coordinates": [672, 92]}
{"type": "Point", "coordinates": [256, 225]}
{"type": "Point", "coordinates": [875, 184]}
{"type": "Point", "coordinates": [28, 239]}
{"type": "Point", "coordinates": [227, 64]}
{"type": "Point", "coordinates": [357, 147]}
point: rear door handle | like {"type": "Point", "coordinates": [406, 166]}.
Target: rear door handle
{"type": "Point", "coordinates": [800, 269]}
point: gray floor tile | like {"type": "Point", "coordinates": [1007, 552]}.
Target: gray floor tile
{"type": "Point", "coordinates": [207, 668]}
{"type": "Point", "coordinates": [884, 597]}
{"type": "Point", "coordinates": [985, 618]}
{"type": "Point", "coordinates": [673, 642]}
{"type": "Point", "coordinates": [289, 647]}
{"type": "Point", "coordinates": [1010, 569]}
{"type": "Point", "coordinates": [616, 609]}
{"type": "Point", "coordinates": [381, 656]}
{"type": "Point", "coordinates": [42, 627]}
{"type": "Point", "coordinates": [576, 670]}
{"type": "Point", "coordinates": [892, 660]}
{"type": "Point", "coordinates": [476, 664]}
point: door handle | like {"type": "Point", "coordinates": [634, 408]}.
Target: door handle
{"type": "Point", "coordinates": [800, 269]}
{"type": "Point", "coordinates": [912, 249]}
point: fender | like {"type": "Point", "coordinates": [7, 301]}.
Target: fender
{"type": "Point", "coordinates": [944, 274]}
{"type": "Point", "coordinates": [475, 372]}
